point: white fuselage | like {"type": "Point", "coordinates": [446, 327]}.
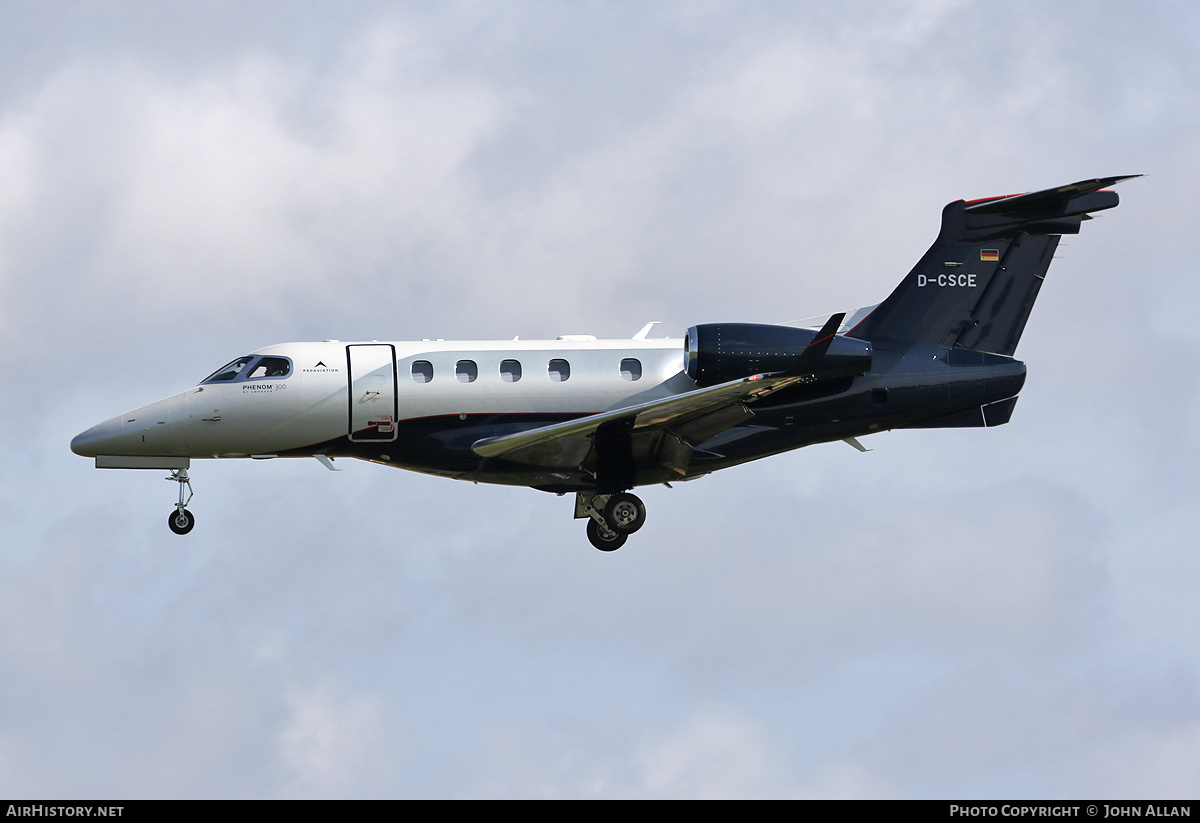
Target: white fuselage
{"type": "Point", "coordinates": [366, 391]}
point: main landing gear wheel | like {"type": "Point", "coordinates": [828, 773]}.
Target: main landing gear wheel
{"type": "Point", "coordinates": [624, 513]}
{"type": "Point", "coordinates": [181, 521]}
{"type": "Point", "coordinates": [611, 517]}
{"type": "Point", "coordinates": [604, 540]}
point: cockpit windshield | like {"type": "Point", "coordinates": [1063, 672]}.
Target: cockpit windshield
{"type": "Point", "coordinates": [229, 371]}
{"type": "Point", "coordinates": [251, 367]}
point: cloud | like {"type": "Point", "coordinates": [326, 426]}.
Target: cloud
{"type": "Point", "coordinates": [228, 194]}
{"type": "Point", "coordinates": [332, 742]}
{"type": "Point", "coordinates": [711, 755]}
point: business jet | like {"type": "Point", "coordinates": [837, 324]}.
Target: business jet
{"type": "Point", "coordinates": [598, 418]}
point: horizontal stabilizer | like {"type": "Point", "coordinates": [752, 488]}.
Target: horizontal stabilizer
{"type": "Point", "coordinates": [1053, 211]}
{"type": "Point", "coordinates": [1050, 202]}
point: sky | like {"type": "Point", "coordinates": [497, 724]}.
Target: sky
{"type": "Point", "coordinates": [974, 613]}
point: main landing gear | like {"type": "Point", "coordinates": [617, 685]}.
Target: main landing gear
{"type": "Point", "coordinates": [611, 517]}
{"type": "Point", "coordinates": [181, 520]}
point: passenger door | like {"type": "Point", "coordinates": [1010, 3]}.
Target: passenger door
{"type": "Point", "coordinates": [372, 381]}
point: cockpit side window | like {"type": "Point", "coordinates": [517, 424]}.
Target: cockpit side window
{"type": "Point", "coordinates": [251, 367]}
{"type": "Point", "coordinates": [270, 367]}
{"type": "Point", "coordinates": [229, 371]}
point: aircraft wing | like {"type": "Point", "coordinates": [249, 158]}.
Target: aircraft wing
{"type": "Point", "coordinates": [692, 417]}
{"type": "Point", "coordinates": [660, 431]}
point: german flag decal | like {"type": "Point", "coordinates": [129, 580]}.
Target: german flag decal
{"type": "Point", "coordinates": [989, 255]}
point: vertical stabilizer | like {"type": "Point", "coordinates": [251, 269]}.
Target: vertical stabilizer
{"type": "Point", "coordinates": [976, 285]}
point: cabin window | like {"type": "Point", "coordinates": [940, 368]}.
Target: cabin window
{"type": "Point", "coordinates": [631, 369]}
{"type": "Point", "coordinates": [560, 371]}
{"type": "Point", "coordinates": [270, 367]}
{"type": "Point", "coordinates": [229, 371]}
{"type": "Point", "coordinates": [422, 371]}
{"type": "Point", "coordinates": [510, 371]}
{"type": "Point", "coordinates": [466, 371]}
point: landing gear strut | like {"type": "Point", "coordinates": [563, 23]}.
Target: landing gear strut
{"type": "Point", "coordinates": [611, 517]}
{"type": "Point", "coordinates": [181, 520]}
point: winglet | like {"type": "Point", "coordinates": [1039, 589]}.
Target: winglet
{"type": "Point", "coordinates": [812, 355]}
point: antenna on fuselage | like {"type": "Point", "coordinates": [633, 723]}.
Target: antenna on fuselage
{"type": "Point", "coordinates": [641, 335]}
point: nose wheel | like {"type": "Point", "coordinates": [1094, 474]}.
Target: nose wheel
{"type": "Point", "coordinates": [181, 521]}
{"type": "Point", "coordinates": [611, 518]}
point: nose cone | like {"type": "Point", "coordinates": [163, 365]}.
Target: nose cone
{"type": "Point", "coordinates": [104, 438]}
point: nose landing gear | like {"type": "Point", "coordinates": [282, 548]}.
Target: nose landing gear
{"type": "Point", "coordinates": [611, 517]}
{"type": "Point", "coordinates": [181, 521]}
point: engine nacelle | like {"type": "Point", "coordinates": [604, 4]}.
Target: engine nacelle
{"type": "Point", "coordinates": [719, 352]}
